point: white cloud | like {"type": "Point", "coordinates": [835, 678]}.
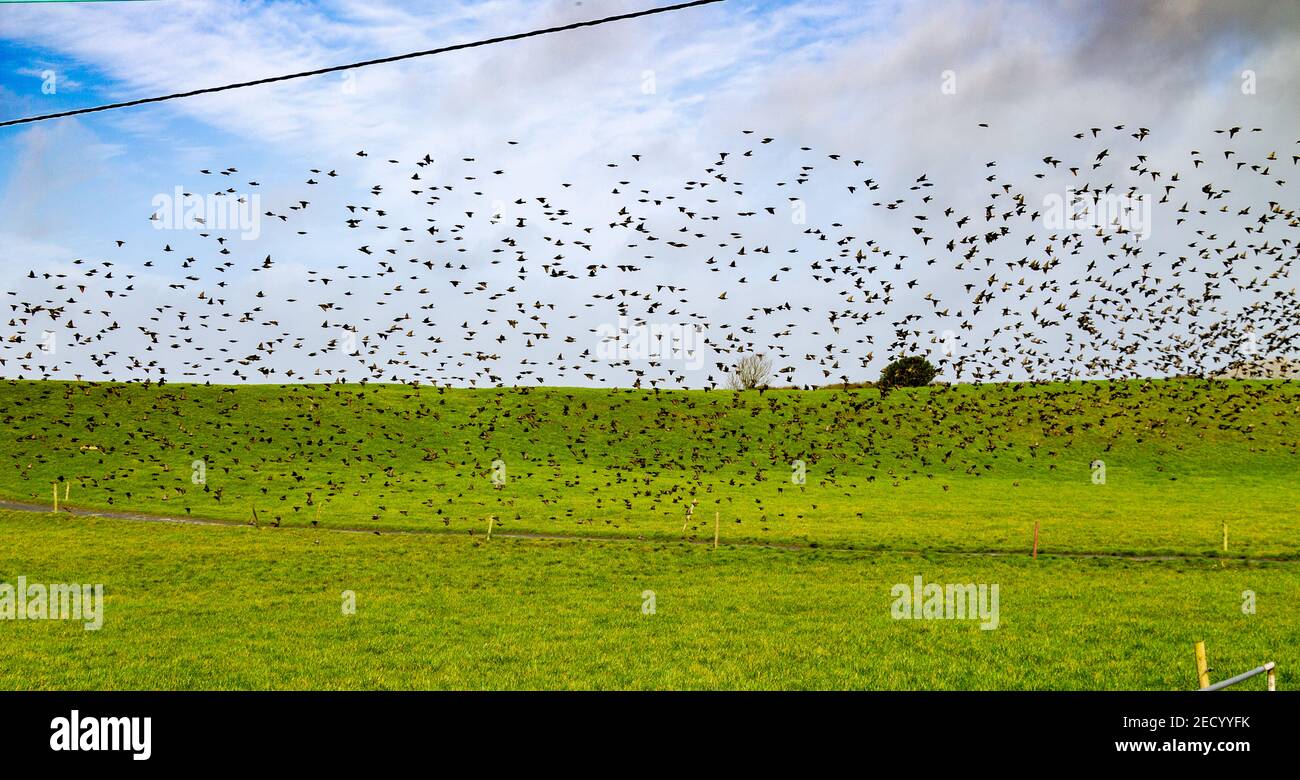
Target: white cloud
{"type": "Point", "coordinates": [860, 80]}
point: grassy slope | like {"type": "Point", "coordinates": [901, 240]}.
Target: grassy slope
{"type": "Point", "coordinates": [966, 468]}
{"type": "Point", "coordinates": [238, 607]}
{"type": "Point", "coordinates": [940, 470]}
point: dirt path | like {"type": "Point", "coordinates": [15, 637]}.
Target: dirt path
{"type": "Point", "coordinates": [20, 506]}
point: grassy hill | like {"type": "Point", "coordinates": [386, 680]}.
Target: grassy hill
{"type": "Point", "coordinates": [960, 468]}
{"type": "Point", "coordinates": [947, 483]}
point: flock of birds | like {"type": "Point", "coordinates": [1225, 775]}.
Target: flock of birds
{"type": "Point", "coordinates": [444, 282]}
{"type": "Point", "coordinates": [802, 256]}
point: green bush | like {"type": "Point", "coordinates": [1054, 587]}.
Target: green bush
{"type": "Point", "coordinates": [910, 371]}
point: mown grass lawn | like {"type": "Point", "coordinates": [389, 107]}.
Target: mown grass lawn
{"type": "Point", "coordinates": [201, 607]}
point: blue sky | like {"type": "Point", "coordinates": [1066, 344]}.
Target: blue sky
{"type": "Point", "coordinates": [123, 146]}
{"type": "Point", "coordinates": [855, 78]}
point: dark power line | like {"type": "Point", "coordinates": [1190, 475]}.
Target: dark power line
{"type": "Point", "coordinates": [379, 61]}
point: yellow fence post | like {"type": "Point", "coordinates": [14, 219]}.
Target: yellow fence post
{"type": "Point", "coordinates": [56, 498]}
{"type": "Point", "coordinates": [716, 520]}
{"type": "Point", "coordinates": [1225, 535]}
{"type": "Point", "coordinates": [1202, 667]}
{"type": "Point", "coordinates": [491, 518]}
{"type": "Point", "coordinates": [1272, 676]}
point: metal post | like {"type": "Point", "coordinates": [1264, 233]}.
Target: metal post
{"type": "Point", "coordinates": [1268, 667]}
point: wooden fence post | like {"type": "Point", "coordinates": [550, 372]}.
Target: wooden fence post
{"type": "Point", "coordinates": [1202, 667]}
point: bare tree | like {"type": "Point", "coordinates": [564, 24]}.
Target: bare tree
{"type": "Point", "coordinates": [750, 372]}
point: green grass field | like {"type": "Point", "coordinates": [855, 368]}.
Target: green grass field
{"type": "Point", "coordinates": [946, 483]}
{"type": "Point", "coordinates": [210, 607]}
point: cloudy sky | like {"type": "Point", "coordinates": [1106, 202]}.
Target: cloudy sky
{"type": "Point", "coordinates": [900, 87]}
